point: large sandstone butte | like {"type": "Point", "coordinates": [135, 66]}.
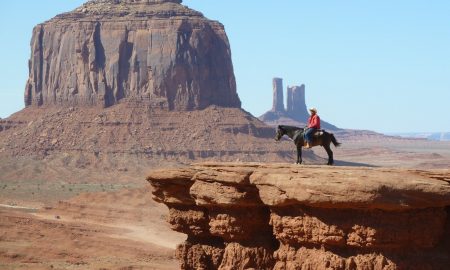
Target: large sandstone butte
{"type": "Point", "coordinates": [261, 216]}
{"type": "Point", "coordinates": [154, 51]}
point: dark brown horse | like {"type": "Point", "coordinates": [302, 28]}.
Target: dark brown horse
{"type": "Point", "coordinates": [321, 138]}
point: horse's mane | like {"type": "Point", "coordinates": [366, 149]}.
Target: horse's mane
{"type": "Point", "coordinates": [287, 128]}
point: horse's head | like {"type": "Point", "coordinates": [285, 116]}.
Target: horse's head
{"type": "Point", "coordinates": [280, 133]}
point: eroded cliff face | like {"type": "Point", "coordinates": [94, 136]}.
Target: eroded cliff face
{"type": "Point", "coordinates": [154, 51]}
{"type": "Point", "coordinates": [259, 216]}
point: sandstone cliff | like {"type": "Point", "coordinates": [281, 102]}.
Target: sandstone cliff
{"type": "Point", "coordinates": [154, 51]}
{"type": "Point", "coordinates": [257, 216]}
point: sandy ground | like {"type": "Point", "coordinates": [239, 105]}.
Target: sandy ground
{"type": "Point", "coordinates": [109, 230]}
{"type": "Point", "coordinates": [419, 154]}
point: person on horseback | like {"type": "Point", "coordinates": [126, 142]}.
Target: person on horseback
{"type": "Point", "coordinates": [313, 126]}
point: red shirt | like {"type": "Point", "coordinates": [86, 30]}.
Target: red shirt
{"type": "Point", "coordinates": [314, 121]}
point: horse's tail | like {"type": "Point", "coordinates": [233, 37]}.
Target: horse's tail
{"type": "Point", "coordinates": [334, 141]}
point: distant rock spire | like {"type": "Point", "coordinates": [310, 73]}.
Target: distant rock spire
{"type": "Point", "coordinates": [289, 99]}
{"type": "Point", "coordinates": [296, 113]}
{"type": "Point", "coordinates": [297, 102]}
{"type": "Point", "coordinates": [278, 103]}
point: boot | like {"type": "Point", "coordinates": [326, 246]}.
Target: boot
{"type": "Point", "coordinates": [308, 146]}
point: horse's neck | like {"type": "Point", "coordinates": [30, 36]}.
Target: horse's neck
{"type": "Point", "coordinates": [291, 133]}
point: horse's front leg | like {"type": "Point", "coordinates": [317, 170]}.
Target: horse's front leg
{"type": "Point", "coordinates": [299, 154]}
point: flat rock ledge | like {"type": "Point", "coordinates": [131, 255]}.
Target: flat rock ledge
{"type": "Point", "coordinates": [280, 216]}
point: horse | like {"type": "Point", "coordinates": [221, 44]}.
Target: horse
{"type": "Point", "coordinates": [323, 139]}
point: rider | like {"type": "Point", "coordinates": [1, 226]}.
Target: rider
{"type": "Point", "coordinates": [313, 126]}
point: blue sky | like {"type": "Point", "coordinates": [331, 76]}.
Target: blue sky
{"type": "Point", "coordinates": [380, 65]}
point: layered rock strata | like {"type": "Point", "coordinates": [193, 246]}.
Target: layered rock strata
{"type": "Point", "coordinates": [154, 51]}
{"type": "Point", "coordinates": [259, 216]}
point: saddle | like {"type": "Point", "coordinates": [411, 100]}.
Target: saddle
{"type": "Point", "coordinates": [316, 136]}
{"type": "Point", "coordinates": [318, 133]}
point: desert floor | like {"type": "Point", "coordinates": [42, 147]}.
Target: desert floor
{"type": "Point", "coordinates": [98, 230]}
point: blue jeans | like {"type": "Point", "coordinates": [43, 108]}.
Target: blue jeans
{"type": "Point", "coordinates": [309, 134]}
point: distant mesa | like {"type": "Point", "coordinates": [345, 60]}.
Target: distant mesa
{"type": "Point", "coordinates": [296, 112]}
{"type": "Point", "coordinates": [432, 136]}
{"type": "Point", "coordinates": [156, 52]}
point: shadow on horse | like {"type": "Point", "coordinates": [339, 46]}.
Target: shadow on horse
{"type": "Point", "coordinates": [323, 139]}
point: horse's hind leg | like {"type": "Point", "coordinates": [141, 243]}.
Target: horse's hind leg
{"type": "Point", "coordinates": [330, 154]}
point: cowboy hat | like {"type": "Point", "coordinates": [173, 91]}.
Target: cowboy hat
{"type": "Point", "coordinates": [313, 110]}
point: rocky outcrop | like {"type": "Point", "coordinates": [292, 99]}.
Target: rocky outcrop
{"type": "Point", "coordinates": [157, 52]}
{"type": "Point", "coordinates": [260, 216]}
